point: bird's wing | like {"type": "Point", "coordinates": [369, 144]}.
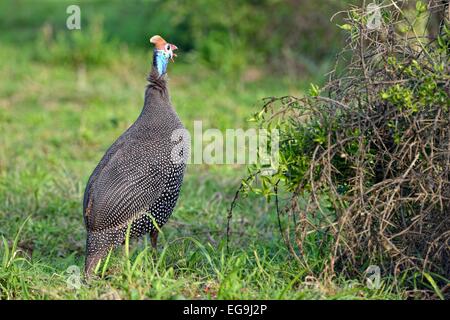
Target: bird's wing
{"type": "Point", "coordinates": [87, 201]}
{"type": "Point", "coordinates": [128, 183]}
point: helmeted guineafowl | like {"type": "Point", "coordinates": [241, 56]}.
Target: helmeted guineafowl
{"type": "Point", "coordinates": [137, 181]}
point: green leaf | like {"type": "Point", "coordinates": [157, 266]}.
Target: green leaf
{"type": "Point", "coordinates": [345, 26]}
{"type": "Point", "coordinates": [314, 90]}
{"type": "Point", "coordinates": [420, 7]}
{"type": "Point", "coordinates": [105, 265]}
{"type": "Point", "coordinates": [5, 253]}
{"type": "Point", "coordinates": [434, 285]}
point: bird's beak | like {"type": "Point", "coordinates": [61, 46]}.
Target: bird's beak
{"type": "Point", "coordinates": [173, 47]}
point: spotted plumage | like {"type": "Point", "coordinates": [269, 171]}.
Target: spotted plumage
{"type": "Point", "coordinates": [137, 182]}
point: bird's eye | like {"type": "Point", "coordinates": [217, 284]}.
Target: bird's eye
{"type": "Point", "coordinates": [168, 47]}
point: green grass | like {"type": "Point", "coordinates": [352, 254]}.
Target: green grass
{"type": "Point", "coordinates": [56, 121]}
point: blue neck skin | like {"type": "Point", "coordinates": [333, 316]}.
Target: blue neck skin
{"type": "Point", "coordinates": [160, 61]}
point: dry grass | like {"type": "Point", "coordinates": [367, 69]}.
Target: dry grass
{"type": "Point", "coordinates": [366, 160]}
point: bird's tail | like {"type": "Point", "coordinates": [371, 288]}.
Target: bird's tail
{"type": "Point", "coordinates": [98, 245]}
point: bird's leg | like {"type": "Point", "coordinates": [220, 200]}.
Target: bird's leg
{"type": "Point", "coordinates": [154, 238]}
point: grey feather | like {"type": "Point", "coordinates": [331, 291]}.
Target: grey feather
{"type": "Point", "coordinates": [135, 178]}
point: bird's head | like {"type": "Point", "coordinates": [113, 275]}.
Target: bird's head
{"type": "Point", "coordinates": [162, 53]}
